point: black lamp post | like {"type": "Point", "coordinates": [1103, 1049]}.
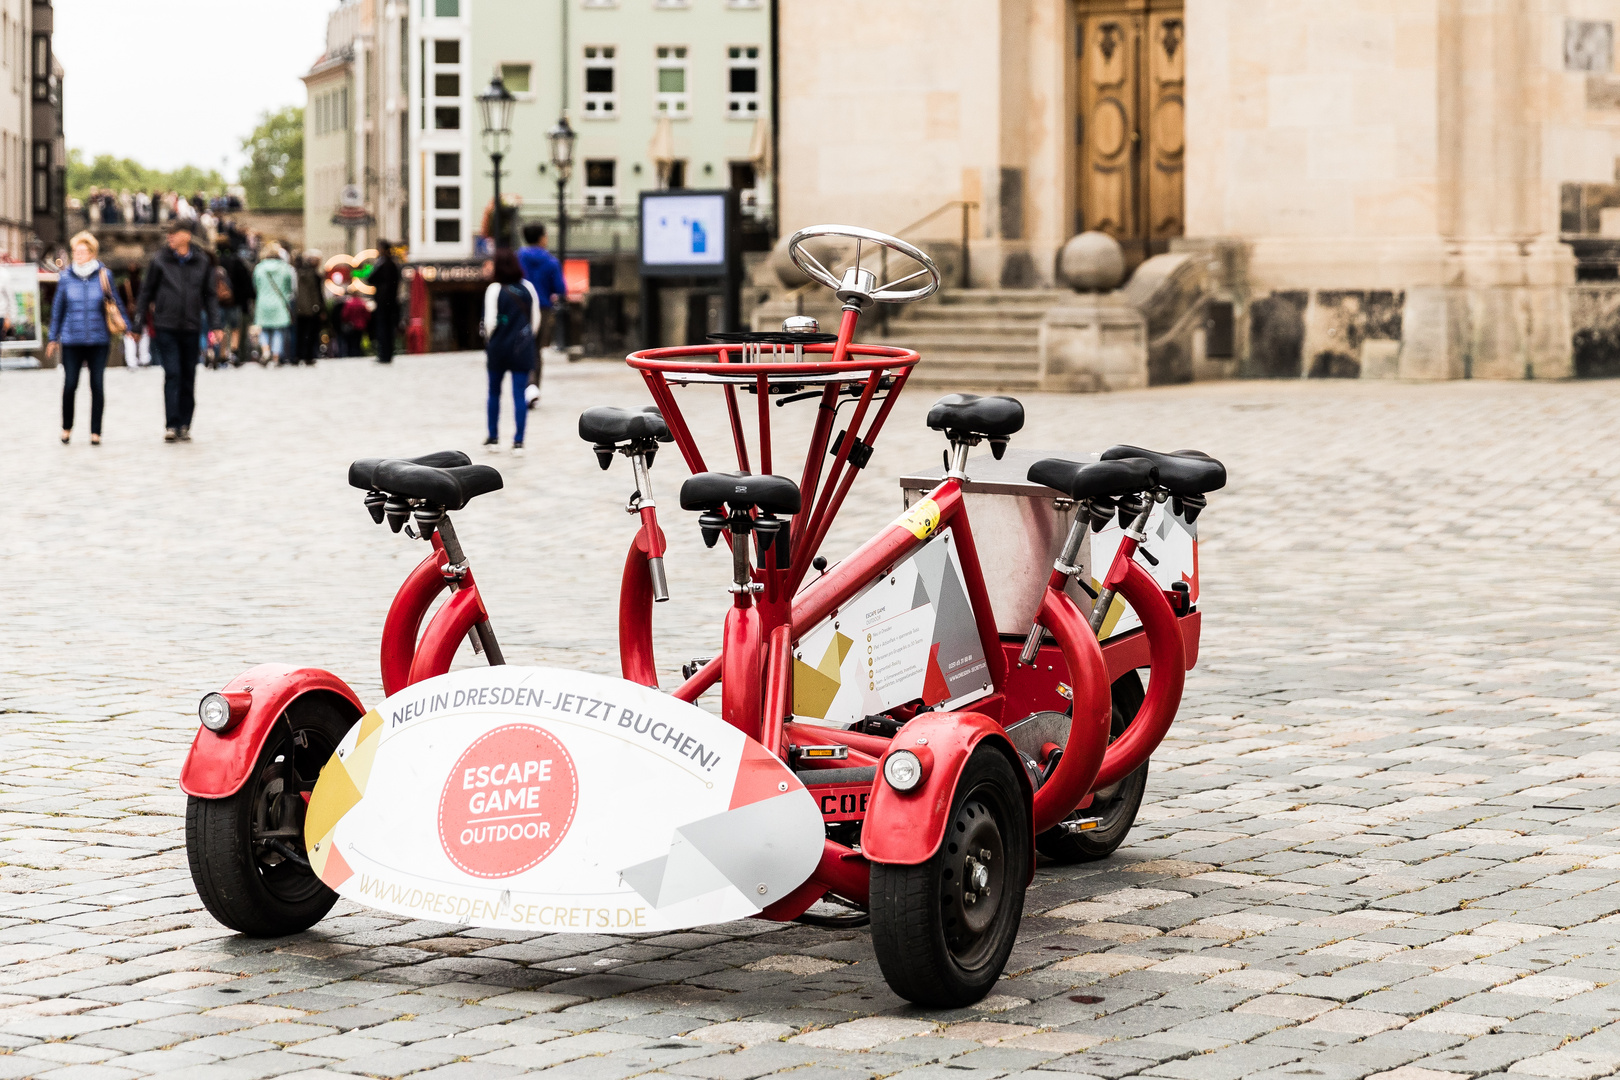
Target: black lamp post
{"type": "Point", "coordinates": [495, 105]}
{"type": "Point", "coordinates": [562, 159]}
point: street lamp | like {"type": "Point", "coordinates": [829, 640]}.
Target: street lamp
{"type": "Point", "coordinates": [562, 159]}
{"type": "Point", "coordinates": [495, 106]}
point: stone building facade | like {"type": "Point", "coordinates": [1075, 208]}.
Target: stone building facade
{"type": "Point", "coordinates": [1377, 188]}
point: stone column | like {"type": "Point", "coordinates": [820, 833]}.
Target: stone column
{"type": "Point", "coordinates": [1502, 311]}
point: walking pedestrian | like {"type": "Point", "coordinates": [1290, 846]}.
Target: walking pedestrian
{"type": "Point", "coordinates": [83, 325]}
{"type": "Point", "coordinates": [542, 270]}
{"type": "Point", "coordinates": [179, 289]}
{"type": "Point", "coordinates": [511, 320]}
{"type": "Point", "coordinates": [273, 281]}
{"type": "Point", "coordinates": [385, 279]}
{"type": "Point", "coordinates": [308, 307]}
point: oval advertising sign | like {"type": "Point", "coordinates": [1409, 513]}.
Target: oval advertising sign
{"type": "Point", "coordinates": [549, 800]}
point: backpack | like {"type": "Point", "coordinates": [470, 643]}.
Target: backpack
{"type": "Point", "coordinates": [222, 287]}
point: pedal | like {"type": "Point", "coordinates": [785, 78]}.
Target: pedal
{"type": "Point", "coordinates": [696, 664]}
{"type": "Point", "coordinates": [1075, 825]}
{"type": "Point", "coordinates": [832, 752]}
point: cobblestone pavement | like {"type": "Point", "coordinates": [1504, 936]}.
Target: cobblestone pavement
{"type": "Point", "coordinates": [1381, 840]}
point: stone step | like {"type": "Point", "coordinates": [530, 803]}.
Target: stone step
{"type": "Point", "coordinates": [963, 312]}
{"type": "Point", "coordinates": [1021, 335]}
{"type": "Point", "coordinates": [980, 372]}
{"type": "Point", "coordinates": [1009, 297]}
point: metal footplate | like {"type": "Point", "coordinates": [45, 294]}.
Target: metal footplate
{"type": "Point", "coordinates": [1076, 825]}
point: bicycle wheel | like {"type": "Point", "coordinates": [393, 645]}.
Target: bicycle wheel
{"type": "Point", "coordinates": [247, 850]}
{"type": "Point", "coordinates": [1116, 804]}
{"type": "Point", "coordinates": [943, 929]}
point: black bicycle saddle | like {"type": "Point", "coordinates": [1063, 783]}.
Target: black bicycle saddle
{"type": "Point", "coordinates": [1184, 472]}
{"type": "Point", "coordinates": [450, 488]}
{"type": "Point", "coordinates": [1083, 481]}
{"type": "Point", "coordinates": [362, 474]}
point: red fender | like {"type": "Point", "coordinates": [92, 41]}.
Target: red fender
{"type": "Point", "coordinates": [741, 680]}
{"type": "Point", "coordinates": [1167, 674]}
{"type": "Point", "coordinates": [218, 765]}
{"type": "Point", "coordinates": [905, 828]}
{"type": "Point", "coordinates": [635, 609]}
{"type": "Point", "coordinates": [1093, 709]}
{"type": "Point", "coordinates": [449, 628]}
{"type": "Point", "coordinates": [404, 620]}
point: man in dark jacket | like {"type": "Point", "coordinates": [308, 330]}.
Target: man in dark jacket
{"type": "Point", "coordinates": [179, 290]}
{"type": "Point", "coordinates": [385, 278]}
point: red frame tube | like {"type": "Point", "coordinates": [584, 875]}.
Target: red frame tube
{"type": "Point", "coordinates": [449, 628]}
{"type": "Point", "coordinates": [1168, 666]}
{"type": "Point", "coordinates": [636, 604]}
{"type": "Point", "coordinates": [404, 622]}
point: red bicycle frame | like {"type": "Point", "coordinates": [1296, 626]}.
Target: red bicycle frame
{"type": "Point", "coordinates": [762, 627]}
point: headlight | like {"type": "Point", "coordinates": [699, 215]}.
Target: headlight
{"type": "Point", "coordinates": [902, 770]}
{"type": "Point", "coordinates": [215, 712]}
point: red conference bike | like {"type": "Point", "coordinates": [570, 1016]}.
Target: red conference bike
{"type": "Point", "coordinates": [957, 694]}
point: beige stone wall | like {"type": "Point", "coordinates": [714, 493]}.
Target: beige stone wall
{"type": "Point", "coordinates": [891, 110]}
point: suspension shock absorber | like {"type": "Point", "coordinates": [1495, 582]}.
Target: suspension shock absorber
{"type": "Point", "coordinates": [648, 509]}
{"type": "Point", "coordinates": [1137, 508]}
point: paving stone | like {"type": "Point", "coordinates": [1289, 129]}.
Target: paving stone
{"type": "Point", "coordinates": [1349, 798]}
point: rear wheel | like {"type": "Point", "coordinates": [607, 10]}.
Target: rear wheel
{"type": "Point", "coordinates": [247, 850]}
{"type": "Point", "coordinates": [943, 929]}
{"type": "Point", "coordinates": [1116, 804]}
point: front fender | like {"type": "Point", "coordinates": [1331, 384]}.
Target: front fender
{"type": "Point", "coordinates": [905, 828]}
{"type": "Point", "coordinates": [218, 765]}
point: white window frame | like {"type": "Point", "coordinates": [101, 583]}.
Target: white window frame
{"type": "Point", "coordinates": [597, 105]}
{"type": "Point", "coordinates": [521, 95]}
{"type": "Point", "coordinates": [743, 106]}
{"type": "Point", "coordinates": [601, 198]}
{"type": "Point", "coordinates": [676, 106]}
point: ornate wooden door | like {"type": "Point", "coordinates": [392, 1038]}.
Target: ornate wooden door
{"type": "Point", "coordinates": [1132, 63]}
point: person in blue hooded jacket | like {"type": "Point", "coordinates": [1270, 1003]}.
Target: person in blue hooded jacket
{"type": "Point", "coordinates": [79, 329]}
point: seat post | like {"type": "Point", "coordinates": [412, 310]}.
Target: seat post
{"type": "Point", "coordinates": [483, 635]}
{"type": "Point", "coordinates": [740, 526]}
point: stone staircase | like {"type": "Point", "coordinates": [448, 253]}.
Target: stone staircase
{"type": "Point", "coordinates": [974, 339]}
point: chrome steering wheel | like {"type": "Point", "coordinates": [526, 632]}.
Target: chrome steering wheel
{"type": "Point", "coordinates": [859, 284]}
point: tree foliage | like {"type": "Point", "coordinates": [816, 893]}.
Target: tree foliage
{"type": "Point", "coordinates": [274, 175]}
{"type": "Point", "coordinates": [106, 171]}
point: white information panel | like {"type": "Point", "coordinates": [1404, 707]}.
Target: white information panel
{"type": "Point", "coordinates": [683, 230]}
{"type": "Point", "coordinates": [557, 801]}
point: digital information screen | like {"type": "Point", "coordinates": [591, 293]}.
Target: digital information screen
{"type": "Point", "coordinates": [683, 232]}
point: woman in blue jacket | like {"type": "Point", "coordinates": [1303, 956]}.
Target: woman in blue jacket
{"type": "Point", "coordinates": [79, 329]}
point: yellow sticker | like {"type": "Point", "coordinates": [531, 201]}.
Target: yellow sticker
{"type": "Point", "coordinates": [921, 520]}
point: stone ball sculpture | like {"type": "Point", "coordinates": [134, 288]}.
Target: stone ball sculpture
{"type": "Point", "coordinates": [1092, 262]}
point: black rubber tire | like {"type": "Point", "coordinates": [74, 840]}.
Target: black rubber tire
{"type": "Point", "coordinates": [926, 954]}
{"type": "Point", "coordinates": [1117, 810]}
{"type": "Point", "coordinates": [247, 887]}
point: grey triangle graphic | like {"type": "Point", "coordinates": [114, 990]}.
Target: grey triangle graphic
{"type": "Point", "coordinates": [687, 873]}
{"type": "Point", "coordinates": [931, 560]}
{"type": "Point", "coordinates": [646, 877]}
{"type": "Point", "coordinates": [919, 596]}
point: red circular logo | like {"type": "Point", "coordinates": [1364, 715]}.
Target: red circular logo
{"type": "Point", "coordinates": [508, 802]}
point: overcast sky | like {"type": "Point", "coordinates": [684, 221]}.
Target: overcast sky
{"type": "Point", "coordinates": [180, 82]}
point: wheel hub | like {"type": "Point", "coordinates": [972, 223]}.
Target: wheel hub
{"type": "Point", "coordinates": [972, 878]}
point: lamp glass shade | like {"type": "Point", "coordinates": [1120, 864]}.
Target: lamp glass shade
{"type": "Point", "coordinates": [562, 144]}
{"type": "Point", "coordinates": [495, 107]}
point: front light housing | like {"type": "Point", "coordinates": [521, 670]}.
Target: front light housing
{"type": "Point", "coordinates": [219, 713]}
{"type": "Point", "coordinates": [902, 770]}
